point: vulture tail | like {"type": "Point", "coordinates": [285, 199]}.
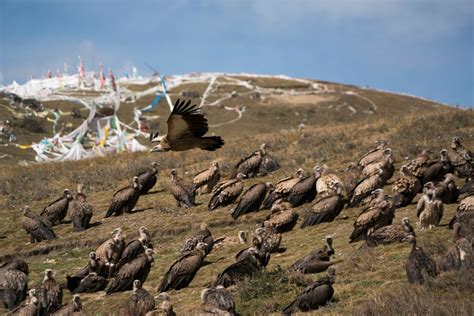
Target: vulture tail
{"type": "Point", "coordinates": [211, 143]}
{"type": "Point", "coordinates": [113, 208]}
{"type": "Point", "coordinates": [164, 286]}
{"type": "Point", "coordinates": [238, 210]}
{"type": "Point", "coordinates": [357, 234]}
{"type": "Point", "coordinates": [214, 202]}
{"type": "Point", "coordinates": [289, 309]}
{"type": "Point", "coordinates": [73, 282]}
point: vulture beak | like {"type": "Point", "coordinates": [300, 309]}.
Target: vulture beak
{"type": "Point", "coordinates": [157, 149]}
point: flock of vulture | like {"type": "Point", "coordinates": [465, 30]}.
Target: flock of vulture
{"type": "Point", "coordinates": [117, 266]}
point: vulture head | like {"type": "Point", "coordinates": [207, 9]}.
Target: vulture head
{"type": "Point", "coordinates": [92, 255]}
{"type": "Point", "coordinates": [149, 254]}
{"type": "Point", "coordinates": [154, 167]}
{"type": "Point", "coordinates": [25, 209]}
{"type": "Point", "coordinates": [33, 295]}
{"type": "Point", "coordinates": [135, 184]}
{"type": "Point", "coordinates": [142, 230]}
{"type": "Point", "coordinates": [257, 241]}
{"type": "Point", "coordinates": [300, 173]}
{"type": "Point", "coordinates": [68, 195]}
{"type": "Point", "coordinates": [215, 164]}
{"type": "Point", "coordinates": [164, 296]}
{"type": "Point", "coordinates": [242, 236]}
{"type": "Point", "coordinates": [173, 173]}
{"type": "Point", "coordinates": [263, 148]}
{"type": "Point", "coordinates": [269, 185]}
{"type": "Point", "coordinates": [136, 285]}
{"type": "Point", "coordinates": [203, 226]}
{"type": "Point", "coordinates": [426, 152]}
{"type": "Point", "coordinates": [332, 274]}
{"type": "Point", "coordinates": [48, 274]}
{"type": "Point", "coordinates": [407, 226]}
{"type": "Point", "coordinates": [80, 188]}
{"type": "Point", "coordinates": [320, 170]}
{"type": "Point", "coordinates": [448, 178]}
{"type": "Point", "coordinates": [241, 176]}
{"type": "Point", "coordinates": [404, 170]}
{"type": "Point", "coordinates": [116, 231]}
{"type": "Point", "coordinates": [202, 246]}
{"type": "Point", "coordinates": [378, 193]}
{"type": "Point", "coordinates": [381, 144]}
{"type": "Point", "coordinates": [428, 187]}
{"type": "Point", "coordinates": [412, 240]}
{"type": "Point", "coordinates": [456, 142]}
{"type": "Point", "coordinates": [76, 301]}
{"type": "Point", "coordinates": [444, 154]}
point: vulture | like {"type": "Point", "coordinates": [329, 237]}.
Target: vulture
{"type": "Point", "coordinates": [206, 180]}
{"type": "Point", "coordinates": [436, 169]}
{"type": "Point", "coordinates": [183, 270]}
{"type": "Point", "coordinates": [282, 219]}
{"type": "Point", "coordinates": [447, 191]}
{"type": "Point", "coordinates": [218, 301]}
{"type": "Point", "coordinates": [13, 282]}
{"type": "Point", "coordinates": [391, 233]}
{"type": "Point", "coordinates": [379, 214]}
{"type": "Point", "coordinates": [30, 308]}
{"type": "Point", "coordinates": [374, 155]}
{"type": "Point", "coordinates": [70, 309]}
{"type": "Point", "coordinates": [385, 163]}
{"type": "Point", "coordinates": [419, 265]}
{"type": "Point", "coordinates": [326, 208]}
{"type": "Point", "coordinates": [124, 200]}
{"type": "Point", "coordinates": [140, 302]}
{"type": "Point", "coordinates": [147, 179]}
{"type": "Point", "coordinates": [406, 186]}
{"type": "Point", "coordinates": [282, 189]}
{"type": "Point", "coordinates": [459, 255]}
{"type": "Point", "coordinates": [135, 247]}
{"type": "Point", "coordinates": [464, 212]}
{"type": "Point", "coordinates": [94, 264]}
{"type": "Point", "coordinates": [304, 191]}
{"type": "Point", "coordinates": [429, 210]}
{"type": "Point", "coordinates": [166, 306]}
{"type": "Point", "coordinates": [109, 251]}
{"type": "Point", "coordinates": [137, 269]}
{"type": "Point", "coordinates": [461, 158]}
{"type": "Point", "coordinates": [226, 192]}
{"type": "Point", "coordinates": [81, 210]}
{"type": "Point", "coordinates": [269, 164]}
{"type": "Point", "coordinates": [270, 239]}
{"type": "Point", "coordinates": [256, 250]}
{"type": "Point", "coordinates": [56, 211]}
{"type": "Point", "coordinates": [251, 199]}
{"type": "Point", "coordinates": [50, 293]}
{"type": "Point", "coordinates": [468, 186]}
{"type": "Point", "coordinates": [312, 297]}
{"type": "Point", "coordinates": [186, 129]}
{"type": "Point", "coordinates": [238, 271]}
{"type": "Point", "coordinates": [325, 180]}
{"type": "Point", "coordinates": [249, 165]}
{"type": "Point", "coordinates": [204, 235]}
{"type": "Point", "coordinates": [350, 177]}
{"type": "Point", "coordinates": [418, 166]}
{"type": "Point", "coordinates": [317, 261]}
{"type": "Point", "coordinates": [365, 187]}
{"type": "Point", "coordinates": [38, 227]}
{"type": "Point", "coordinates": [183, 192]}
{"type": "Point", "coordinates": [91, 283]}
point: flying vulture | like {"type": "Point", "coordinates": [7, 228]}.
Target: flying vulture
{"type": "Point", "coordinates": [81, 210]}
{"type": "Point", "coordinates": [125, 199]}
{"type": "Point", "coordinates": [147, 179]}
{"type": "Point", "coordinates": [186, 128]}
{"type": "Point", "coordinates": [205, 180]}
{"type": "Point", "coordinates": [419, 265]}
{"type": "Point", "coordinates": [56, 211]}
{"type": "Point", "coordinates": [140, 302]}
{"type": "Point", "coordinates": [183, 192]}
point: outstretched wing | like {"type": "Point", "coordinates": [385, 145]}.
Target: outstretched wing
{"type": "Point", "coordinates": [186, 121]}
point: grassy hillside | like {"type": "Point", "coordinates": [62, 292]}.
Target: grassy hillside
{"type": "Point", "coordinates": [369, 281]}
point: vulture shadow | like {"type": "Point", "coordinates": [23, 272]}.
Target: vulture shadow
{"type": "Point", "coordinates": [155, 192]}
{"type": "Point", "coordinates": [94, 224]}
{"type": "Point", "coordinates": [280, 250]}
{"type": "Point", "coordinates": [206, 263]}
{"type": "Point", "coordinates": [141, 210]}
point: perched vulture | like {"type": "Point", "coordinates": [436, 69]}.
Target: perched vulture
{"type": "Point", "coordinates": [447, 191]}
{"type": "Point", "coordinates": [459, 255]}
{"type": "Point", "coordinates": [350, 177]}
{"type": "Point", "coordinates": [183, 270]}
{"type": "Point", "coordinates": [125, 199]}
{"type": "Point", "coordinates": [325, 181]}
{"type": "Point", "coordinates": [461, 158]}
{"type": "Point", "coordinates": [366, 187]}
{"type": "Point", "coordinates": [468, 186]}
{"type": "Point", "coordinates": [304, 191]}
{"type": "Point", "coordinates": [419, 265]}
{"type": "Point", "coordinates": [269, 164]}
{"type": "Point", "coordinates": [218, 301]}
{"type": "Point", "coordinates": [137, 269]}
{"type": "Point", "coordinates": [81, 210]}
{"type": "Point", "coordinates": [205, 180]}
{"type": "Point", "coordinates": [270, 239]}
{"type": "Point", "coordinates": [30, 308]}
{"type": "Point", "coordinates": [385, 163]}
{"type": "Point", "coordinates": [226, 192]}
{"type": "Point", "coordinates": [56, 211]}
{"type": "Point", "coordinates": [186, 128]}
{"type": "Point", "coordinates": [406, 186]}
{"type": "Point", "coordinates": [251, 199]}
{"type": "Point", "coordinates": [282, 189]}
{"type": "Point", "coordinates": [377, 215]}
{"type": "Point", "coordinates": [464, 213]}
{"type": "Point", "coordinates": [166, 306]}
{"type": "Point", "coordinates": [312, 297]}
{"type": "Point", "coordinates": [238, 271]}
{"type": "Point", "coordinates": [326, 208]}
{"type": "Point", "coordinates": [140, 302]}
{"type": "Point", "coordinates": [429, 210]}
{"type": "Point", "coordinates": [50, 293]}
{"type": "Point", "coordinates": [183, 192]}
{"type": "Point", "coordinates": [282, 219]}
{"type": "Point", "coordinates": [38, 227]}
{"type": "Point", "coordinates": [417, 167]}
{"type": "Point", "coordinates": [249, 165]}
{"type": "Point", "coordinates": [256, 250]}
{"type": "Point", "coordinates": [204, 235]}
{"type": "Point", "coordinates": [70, 309]}
{"type": "Point", "coordinates": [94, 265]}
{"type": "Point", "coordinates": [13, 282]}
{"type": "Point", "coordinates": [109, 251]}
{"type": "Point", "coordinates": [436, 169]}
{"type": "Point", "coordinates": [90, 284]}
{"type": "Point", "coordinates": [317, 261]}
{"type": "Point", "coordinates": [391, 233]}
{"type": "Point", "coordinates": [374, 155]}
{"type": "Point", "coordinates": [136, 247]}
{"type": "Point", "coordinates": [147, 179]}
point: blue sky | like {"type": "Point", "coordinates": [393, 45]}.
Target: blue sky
{"type": "Point", "coordinates": [425, 48]}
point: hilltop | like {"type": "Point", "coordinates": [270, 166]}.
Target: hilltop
{"type": "Point", "coordinates": [305, 122]}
